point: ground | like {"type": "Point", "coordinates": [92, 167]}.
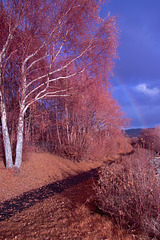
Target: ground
{"type": "Point", "coordinates": [71, 214]}
{"type": "Point", "coordinates": [37, 170]}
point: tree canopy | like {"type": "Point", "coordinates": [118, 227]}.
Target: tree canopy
{"type": "Point", "coordinates": [56, 55]}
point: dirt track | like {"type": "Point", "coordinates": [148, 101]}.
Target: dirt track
{"type": "Point", "coordinates": [11, 207]}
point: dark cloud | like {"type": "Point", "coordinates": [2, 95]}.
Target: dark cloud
{"type": "Point", "coordinates": [136, 82]}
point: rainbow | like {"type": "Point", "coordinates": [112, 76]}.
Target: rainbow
{"type": "Point", "coordinates": [131, 102]}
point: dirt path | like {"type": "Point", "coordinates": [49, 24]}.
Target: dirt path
{"type": "Point", "coordinates": [37, 204]}
{"type": "Point", "coordinates": [11, 207]}
{"type": "Point", "coordinates": [70, 215]}
{"type": "Point", "coordinates": [38, 170]}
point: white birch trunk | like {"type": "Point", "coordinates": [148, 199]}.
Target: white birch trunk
{"type": "Point", "coordinates": [67, 120]}
{"type": "Point", "coordinates": [57, 127]}
{"type": "Point", "coordinates": [6, 140]}
{"type": "Point", "coordinates": [19, 145]}
{"type": "Point", "coordinates": [20, 128]}
{"type": "Point", "coordinates": [5, 134]}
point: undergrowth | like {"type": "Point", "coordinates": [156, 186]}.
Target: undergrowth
{"type": "Point", "coordinates": [130, 193]}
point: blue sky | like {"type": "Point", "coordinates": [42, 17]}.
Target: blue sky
{"type": "Point", "coordinates": [136, 79]}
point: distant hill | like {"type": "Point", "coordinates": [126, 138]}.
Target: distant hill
{"type": "Point", "coordinates": [133, 132]}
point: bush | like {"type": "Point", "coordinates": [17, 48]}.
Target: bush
{"type": "Point", "coordinates": [130, 193]}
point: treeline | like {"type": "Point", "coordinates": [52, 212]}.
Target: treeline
{"type": "Point", "coordinates": [84, 126]}
{"type": "Point", "coordinates": [56, 58]}
{"type": "Point", "coordinates": [148, 138]}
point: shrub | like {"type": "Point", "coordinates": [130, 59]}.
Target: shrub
{"type": "Point", "coordinates": [130, 193]}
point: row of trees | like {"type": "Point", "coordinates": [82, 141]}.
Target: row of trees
{"type": "Point", "coordinates": [150, 138]}
{"type": "Point", "coordinates": [60, 50]}
{"type": "Point", "coordinates": [83, 126]}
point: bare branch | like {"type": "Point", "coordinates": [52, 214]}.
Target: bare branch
{"type": "Point", "coordinates": [33, 54]}
{"type": "Point", "coordinates": [63, 67]}
{"type": "Point", "coordinates": [54, 94]}
{"type": "Point", "coordinates": [36, 61]}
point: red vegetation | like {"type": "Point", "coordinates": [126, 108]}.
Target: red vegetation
{"type": "Point", "coordinates": [129, 192]}
{"type": "Point", "coordinates": [52, 57]}
{"type": "Point", "coordinates": [150, 138]}
{"type": "Point", "coordinates": [69, 215]}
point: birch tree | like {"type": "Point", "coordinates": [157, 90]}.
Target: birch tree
{"type": "Point", "coordinates": [7, 31]}
{"type": "Point", "coordinates": [57, 41]}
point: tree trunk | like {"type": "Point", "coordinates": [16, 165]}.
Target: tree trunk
{"type": "Point", "coordinates": [19, 145]}
{"type": "Point", "coordinates": [57, 128]}
{"type": "Point", "coordinates": [67, 122]}
{"type": "Point", "coordinates": [6, 140]}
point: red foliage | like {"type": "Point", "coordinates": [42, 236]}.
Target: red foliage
{"type": "Point", "coordinates": [130, 193]}
{"type": "Point", "coordinates": [49, 51]}
{"type": "Point", "coordinates": [150, 138]}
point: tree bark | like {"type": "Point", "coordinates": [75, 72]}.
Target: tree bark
{"type": "Point", "coordinates": [57, 128]}
{"type": "Point", "coordinates": [6, 140]}
{"type": "Point", "coordinates": [19, 145]}
{"type": "Point", "coordinates": [67, 123]}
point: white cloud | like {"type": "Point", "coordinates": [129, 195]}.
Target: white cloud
{"type": "Point", "coordinates": [147, 91]}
